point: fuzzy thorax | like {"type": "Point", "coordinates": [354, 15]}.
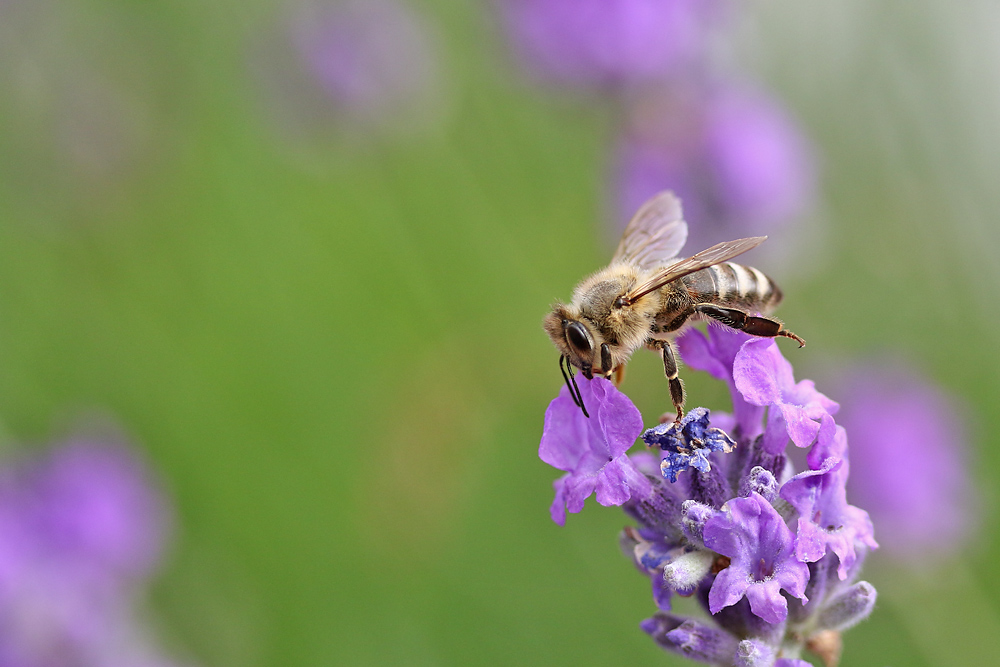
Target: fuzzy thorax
{"type": "Point", "coordinates": [622, 328]}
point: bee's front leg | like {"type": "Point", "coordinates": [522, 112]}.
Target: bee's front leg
{"type": "Point", "coordinates": [670, 369]}
{"type": "Point", "coordinates": [611, 372]}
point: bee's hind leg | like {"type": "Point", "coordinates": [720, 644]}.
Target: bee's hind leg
{"type": "Point", "coordinates": [670, 369]}
{"type": "Point", "coordinates": [751, 324]}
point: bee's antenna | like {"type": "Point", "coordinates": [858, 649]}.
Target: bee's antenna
{"type": "Point", "coordinates": [570, 380]}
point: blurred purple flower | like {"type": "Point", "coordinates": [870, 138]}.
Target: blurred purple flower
{"type": "Point", "coordinates": [592, 450]}
{"type": "Point", "coordinates": [76, 122]}
{"type": "Point", "coordinates": [909, 461]}
{"type": "Point", "coordinates": [608, 42]}
{"type": "Point", "coordinates": [735, 157]}
{"type": "Point", "coordinates": [350, 64]}
{"type": "Point", "coordinates": [79, 529]}
{"type": "Point", "coordinates": [368, 56]}
{"type": "Point", "coordinates": [96, 504]}
{"type": "Point", "coordinates": [754, 536]}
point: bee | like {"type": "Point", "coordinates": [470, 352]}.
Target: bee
{"type": "Point", "coordinates": [647, 295]}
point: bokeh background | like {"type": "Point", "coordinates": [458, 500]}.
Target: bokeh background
{"type": "Point", "coordinates": [299, 266]}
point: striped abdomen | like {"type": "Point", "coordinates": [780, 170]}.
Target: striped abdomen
{"type": "Point", "coordinates": [730, 284]}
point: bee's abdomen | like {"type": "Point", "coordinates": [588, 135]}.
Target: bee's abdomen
{"type": "Point", "coordinates": [731, 284]}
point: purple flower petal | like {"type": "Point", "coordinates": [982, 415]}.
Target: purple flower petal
{"type": "Point", "coordinates": [825, 518]}
{"type": "Point", "coordinates": [800, 424]}
{"type": "Point", "coordinates": [619, 481]}
{"type": "Point", "coordinates": [592, 450]}
{"type": "Point", "coordinates": [766, 600]}
{"type": "Point", "coordinates": [558, 508]}
{"type": "Point", "coordinates": [758, 372]}
{"type": "Point", "coordinates": [715, 354]}
{"type": "Point", "coordinates": [762, 561]}
{"type": "Point", "coordinates": [764, 378]}
{"type": "Point", "coordinates": [831, 440]}
{"type": "Point", "coordinates": [703, 353]}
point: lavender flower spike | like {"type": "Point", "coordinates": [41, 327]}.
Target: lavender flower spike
{"type": "Point", "coordinates": [754, 536]}
{"type": "Point", "coordinates": [772, 556]}
{"type": "Point", "coordinates": [592, 451]}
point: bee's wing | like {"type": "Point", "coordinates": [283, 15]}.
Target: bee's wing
{"type": "Point", "coordinates": [655, 234]}
{"type": "Point", "coordinates": [718, 253]}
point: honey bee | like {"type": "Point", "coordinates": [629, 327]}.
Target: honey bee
{"type": "Point", "coordinates": [647, 295]}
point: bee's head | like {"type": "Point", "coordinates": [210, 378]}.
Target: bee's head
{"type": "Point", "coordinates": [578, 340]}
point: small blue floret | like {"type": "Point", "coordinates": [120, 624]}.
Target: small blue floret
{"type": "Point", "coordinates": [686, 444]}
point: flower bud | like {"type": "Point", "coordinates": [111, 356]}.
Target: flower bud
{"type": "Point", "coordinates": [849, 607]}
{"type": "Point", "coordinates": [683, 573]}
{"type": "Point", "coordinates": [691, 638]}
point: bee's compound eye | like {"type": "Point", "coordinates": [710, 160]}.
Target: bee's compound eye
{"type": "Point", "coordinates": [576, 333]}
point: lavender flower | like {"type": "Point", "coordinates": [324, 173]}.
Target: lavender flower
{"type": "Point", "coordinates": [586, 42]}
{"type": "Point", "coordinates": [908, 461]}
{"type": "Point", "coordinates": [765, 378]}
{"type": "Point", "coordinates": [772, 555]}
{"type": "Point", "coordinates": [735, 157]}
{"type": "Point", "coordinates": [592, 450]}
{"type": "Point", "coordinates": [762, 560]}
{"type": "Point", "coordinates": [79, 530]}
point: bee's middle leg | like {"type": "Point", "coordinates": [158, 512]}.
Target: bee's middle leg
{"type": "Point", "coordinates": [670, 369]}
{"type": "Point", "coordinates": [751, 324]}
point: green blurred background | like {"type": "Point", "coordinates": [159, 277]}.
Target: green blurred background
{"type": "Point", "coordinates": [330, 349]}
